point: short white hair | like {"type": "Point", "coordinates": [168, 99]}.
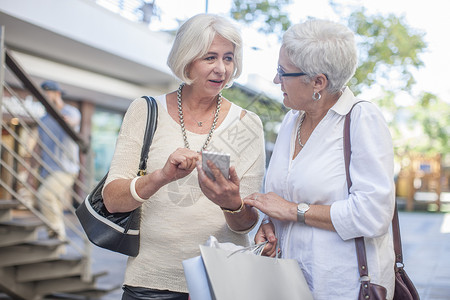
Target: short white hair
{"type": "Point", "coordinates": [323, 47]}
{"type": "Point", "coordinates": [194, 38]}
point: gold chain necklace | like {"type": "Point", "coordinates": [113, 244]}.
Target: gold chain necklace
{"type": "Point", "coordinates": [181, 116]}
{"type": "Point", "coordinates": [298, 131]}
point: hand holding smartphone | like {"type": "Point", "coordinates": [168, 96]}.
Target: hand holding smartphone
{"type": "Point", "coordinates": [221, 160]}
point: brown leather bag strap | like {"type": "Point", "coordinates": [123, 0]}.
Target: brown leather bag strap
{"type": "Point", "coordinates": [347, 146]}
{"type": "Point", "coordinates": [397, 238]}
{"type": "Point", "coordinates": [362, 259]}
{"type": "Point", "coordinates": [360, 246]}
{"type": "Point", "coordinates": [359, 242]}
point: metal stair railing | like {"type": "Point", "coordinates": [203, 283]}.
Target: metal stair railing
{"type": "Point", "coordinates": [33, 135]}
{"type": "Point", "coordinates": [19, 123]}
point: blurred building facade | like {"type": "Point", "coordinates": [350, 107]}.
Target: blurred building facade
{"type": "Point", "coordinates": [103, 58]}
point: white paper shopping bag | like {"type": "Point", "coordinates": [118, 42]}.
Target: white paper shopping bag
{"type": "Point", "coordinates": [244, 276]}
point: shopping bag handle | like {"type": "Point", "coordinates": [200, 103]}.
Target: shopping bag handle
{"type": "Point", "coordinates": [255, 249]}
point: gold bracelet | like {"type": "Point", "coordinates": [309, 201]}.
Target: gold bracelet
{"type": "Point", "coordinates": [234, 211]}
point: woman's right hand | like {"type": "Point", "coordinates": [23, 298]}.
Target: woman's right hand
{"type": "Point", "coordinates": [266, 232]}
{"type": "Point", "coordinates": [180, 164]}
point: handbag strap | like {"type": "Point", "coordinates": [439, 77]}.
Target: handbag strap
{"type": "Point", "coordinates": [397, 239]}
{"type": "Point", "coordinates": [152, 120]}
{"type": "Point", "coordinates": [359, 242]}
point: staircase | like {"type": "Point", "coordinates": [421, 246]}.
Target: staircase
{"type": "Point", "coordinates": [34, 266]}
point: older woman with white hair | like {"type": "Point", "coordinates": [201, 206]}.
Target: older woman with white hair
{"type": "Point", "coordinates": [181, 206]}
{"type": "Point", "coordinates": [309, 210]}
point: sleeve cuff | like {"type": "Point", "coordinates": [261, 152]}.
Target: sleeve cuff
{"type": "Point", "coordinates": [340, 222]}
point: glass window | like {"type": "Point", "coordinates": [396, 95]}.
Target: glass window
{"type": "Point", "coordinates": [105, 129]}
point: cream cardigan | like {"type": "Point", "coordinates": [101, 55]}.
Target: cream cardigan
{"type": "Point", "coordinates": [179, 217]}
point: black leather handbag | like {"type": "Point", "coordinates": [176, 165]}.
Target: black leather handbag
{"type": "Point", "coordinates": [118, 232]}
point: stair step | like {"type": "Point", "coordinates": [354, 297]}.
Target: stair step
{"type": "Point", "coordinates": [14, 236]}
{"type": "Point", "coordinates": [66, 285]}
{"type": "Point", "coordinates": [48, 243]}
{"type": "Point", "coordinates": [86, 294]}
{"type": "Point", "coordinates": [33, 266]}
{"type": "Point", "coordinates": [19, 230]}
{"type": "Point", "coordinates": [8, 204]}
{"type": "Point", "coordinates": [5, 215]}
{"type": "Point", "coordinates": [32, 252]}
{"type": "Point", "coordinates": [14, 289]}
{"type": "Point", "coordinates": [44, 289]}
{"type": "Point", "coordinates": [23, 222]}
{"type": "Point", "coordinates": [66, 267]}
{"type": "Point", "coordinates": [6, 207]}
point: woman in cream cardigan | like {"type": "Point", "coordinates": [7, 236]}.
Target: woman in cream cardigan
{"type": "Point", "coordinates": [181, 206]}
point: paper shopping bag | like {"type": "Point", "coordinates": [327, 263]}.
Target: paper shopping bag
{"type": "Point", "coordinates": [244, 276]}
{"type": "Point", "coordinates": [196, 279]}
{"type": "Point", "coordinates": [195, 273]}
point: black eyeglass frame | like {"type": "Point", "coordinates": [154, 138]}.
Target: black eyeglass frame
{"type": "Point", "coordinates": [281, 73]}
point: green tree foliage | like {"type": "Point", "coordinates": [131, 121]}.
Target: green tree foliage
{"type": "Point", "coordinates": [389, 49]}
{"type": "Point", "coordinates": [433, 115]}
{"type": "Point", "coordinates": [268, 15]}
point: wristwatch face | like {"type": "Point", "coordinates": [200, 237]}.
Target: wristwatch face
{"type": "Point", "coordinates": [302, 208]}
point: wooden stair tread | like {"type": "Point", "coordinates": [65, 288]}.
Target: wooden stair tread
{"type": "Point", "coordinates": [69, 258]}
{"type": "Point", "coordinates": [93, 293]}
{"type": "Point", "coordinates": [43, 266]}
{"type": "Point", "coordinates": [24, 222]}
{"type": "Point", "coordinates": [8, 204]}
{"type": "Point", "coordinates": [67, 285]}
{"type": "Point", "coordinates": [51, 269]}
{"type": "Point", "coordinates": [50, 243]}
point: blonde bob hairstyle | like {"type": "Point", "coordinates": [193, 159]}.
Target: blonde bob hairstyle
{"type": "Point", "coordinates": [323, 47]}
{"type": "Point", "coordinates": [194, 38]}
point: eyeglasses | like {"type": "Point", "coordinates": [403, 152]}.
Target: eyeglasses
{"type": "Point", "coordinates": [282, 74]}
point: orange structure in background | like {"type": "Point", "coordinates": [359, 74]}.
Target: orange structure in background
{"type": "Point", "coordinates": [421, 179]}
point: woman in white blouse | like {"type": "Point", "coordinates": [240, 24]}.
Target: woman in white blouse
{"type": "Point", "coordinates": [309, 212]}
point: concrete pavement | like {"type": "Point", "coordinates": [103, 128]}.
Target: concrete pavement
{"type": "Point", "coordinates": [426, 252]}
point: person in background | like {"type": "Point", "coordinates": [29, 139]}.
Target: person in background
{"type": "Point", "coordinates": [60, 159]}
{"type": "Point", "coordinates": [181, 206]}
{"type": "Point", "coordinates": [308, 208]}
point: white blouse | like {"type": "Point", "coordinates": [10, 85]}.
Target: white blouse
{"type": "Point", "coordinates": [317, 176]}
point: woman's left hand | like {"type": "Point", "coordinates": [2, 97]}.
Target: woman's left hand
{"type": "Point", "coordinates": [273, 205]}
{"type": "Point", "coordinates": [222, 191]}
{"type": "Point", "coordinates": [266, 232]}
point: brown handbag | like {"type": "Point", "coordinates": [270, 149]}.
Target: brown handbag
{"type": "Point", "coordinates": [404, 288]}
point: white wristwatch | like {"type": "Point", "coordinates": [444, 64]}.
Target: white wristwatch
{"type": "Point", "coordinates": [302, 208]}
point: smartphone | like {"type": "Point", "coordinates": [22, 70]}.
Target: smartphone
{"type": "Point", "coordinates": [221, 160]}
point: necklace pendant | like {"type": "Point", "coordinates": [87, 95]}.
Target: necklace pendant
{"type": "Point", "coordinates": [200, 124]}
